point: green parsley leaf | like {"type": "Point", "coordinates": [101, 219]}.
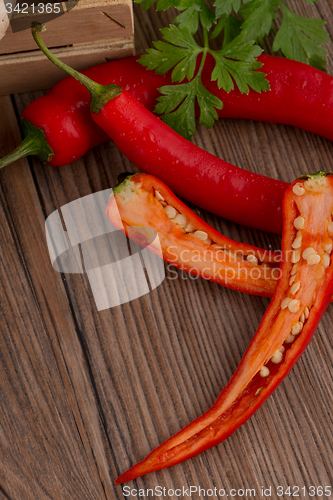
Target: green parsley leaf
{"type": "Point", "coordinates": [161, 4]}
{"type": "Point", "coordinates": [219, 27]}
{"type": "Point", "coordinates": [183, 119]}
{"type": "Point", "coordinates": [193, 11]}
{"type": "Point", "coordinates": [232, 29]}
{"type": "Point", "coordinates": [181, 54]}
{"type": "Point", "coordinates": [164, 4]}
{"type": "Point", "coordinates": [183, 97]}
{"type": "Point", "coordinates": [145, 4]}
{"type": "Point", "coordinates": [300, 38]}
{"type": "Point", "coordinates": [258, 16]}
{"type": "Point", "coordinates": [241, 48]}
{"type": "Point", "coordinates": [208, 103]}
{"type": "Point", "coordinates": [226, 7]}
{"type": "Point", "coordinates": [236, 62]}
{"type": "Point", "coordinates": [231, 26]}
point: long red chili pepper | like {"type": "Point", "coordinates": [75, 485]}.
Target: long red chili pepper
{"type": "Point", "coordinates": [63, 113]}
{"type": "Point", "coordinates": [142, 201]}
{"type": "Point", "coordinates": [59, 129]}
{"type": "Point", "coordinates": [300, 299]}
{"type": "Point", "coordinates": [187, 169]}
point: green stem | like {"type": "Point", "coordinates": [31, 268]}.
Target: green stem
{"type": "Point", "coordinates": [34, 143]}
{"type": "Point", "coordinates": [204, 54]}
{"type": "Point", "coordinates": [100, 94]}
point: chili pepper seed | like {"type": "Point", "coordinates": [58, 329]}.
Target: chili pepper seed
{"type": "Point", "coordinates": [292, 279]}
{"type": "Point", "coordinates": [170, 211]}
{"type": "Point", "coordinates": [277, 357]}
{"type": "Point", "coordinates": [285, 303]}
{"type": "Point", "coordinates": [158, 196]}
{"type": "Point", "coordinates": [252, 259]}
{"type": "Point", "coordinates": [296, 329]}
{"type": "Point", "coordinates": [325, 260]}
{"type": "Point", "coordinates": [180, 220]}
{"type": "Point", "coordinates": [298, 189]}
{"type": "Point", "coordinates": [294, 289]}
{"type": "Point", "coordinates": [190, 228]}
{"type": "Point", "coordinates": [328, 248]}
{"type": "Point", "coordinates": [313, 259]}
{"type": "Point", "coordinates": [307, 252]}
{"type": "Point", "coordinates": [201, 235]}
{"type": "Point", "coordinates": [293, 305]}
{"type": "Point", "coordinates": [264, 372]}
{"type": "Point", "coordinates": [296, 256]}
{"type": "Point", "coordinates": [299, 222]}
{"type": "Point", "coordinates": [297, 243]}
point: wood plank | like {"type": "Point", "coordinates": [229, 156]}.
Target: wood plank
{"type": "Point", "coordinates": [32, 71]}
{"type": "Point", "coordinates": [83, 22]}
{"type": "Point", "coordinates": [51, 433]}
{"type": "Point", "coordinates": [161, 360]}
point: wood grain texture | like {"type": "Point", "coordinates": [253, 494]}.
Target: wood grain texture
{"type": "Point", "coordinates": [82, 37]}
{"type": "Point", "coordinates": [82, 22]}
{"type": "Point", "coordinates": [85, 394]}
{"type": "Point", "coordinates": [32, 71]}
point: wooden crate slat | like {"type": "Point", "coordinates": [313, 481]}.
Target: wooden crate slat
{"type": "Point", "coordinates": [83, 23]}
{"type": "Point", "coordinates": [31, 71]}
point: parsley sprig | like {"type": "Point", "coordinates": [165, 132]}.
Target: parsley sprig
{"type": "Point", "coordinates": [239, 26]}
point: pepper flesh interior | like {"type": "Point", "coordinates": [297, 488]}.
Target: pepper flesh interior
{"type": "Point", "coordinates": [144, 201]}
{"type": "Point", "coordinates": [251, 385]}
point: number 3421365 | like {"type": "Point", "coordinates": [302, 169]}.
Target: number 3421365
{"type": "Point", "coordinates": [33, 8]}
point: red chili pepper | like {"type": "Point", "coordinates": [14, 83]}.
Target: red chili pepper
{"type": "Point", "coordinates": [142, 201]}
{"type": "Point", "coordinates": [300, 299]}
{"type": "Point", "coordinates": [187, 169]}
{"type": "Point", "coordinates": [58, 127]}
{"type": "Point", "coordinates": [63, 113]}
{"type": "Point", "coordinates": [67, 130]}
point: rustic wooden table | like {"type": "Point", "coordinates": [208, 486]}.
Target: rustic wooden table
{"type": "Point", "coordinates": [85, 394]}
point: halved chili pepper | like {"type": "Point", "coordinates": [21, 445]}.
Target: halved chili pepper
{"type": "Point", "coordinates": [187, 242]}
{"type": "Point", "coordinates": [187, 169]}
{"type": "Point", "coordinates": [300, 299]}
{"type": "Point", "coordinates": [59, 129]}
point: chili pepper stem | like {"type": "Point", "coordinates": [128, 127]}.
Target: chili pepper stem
{"type": "Point", "coordinates": [34, 143]}
{"type": "Point", "coordinates": [100, 94]}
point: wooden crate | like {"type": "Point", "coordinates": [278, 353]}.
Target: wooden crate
{"type": "Point", "coordinates": [83, 36]}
